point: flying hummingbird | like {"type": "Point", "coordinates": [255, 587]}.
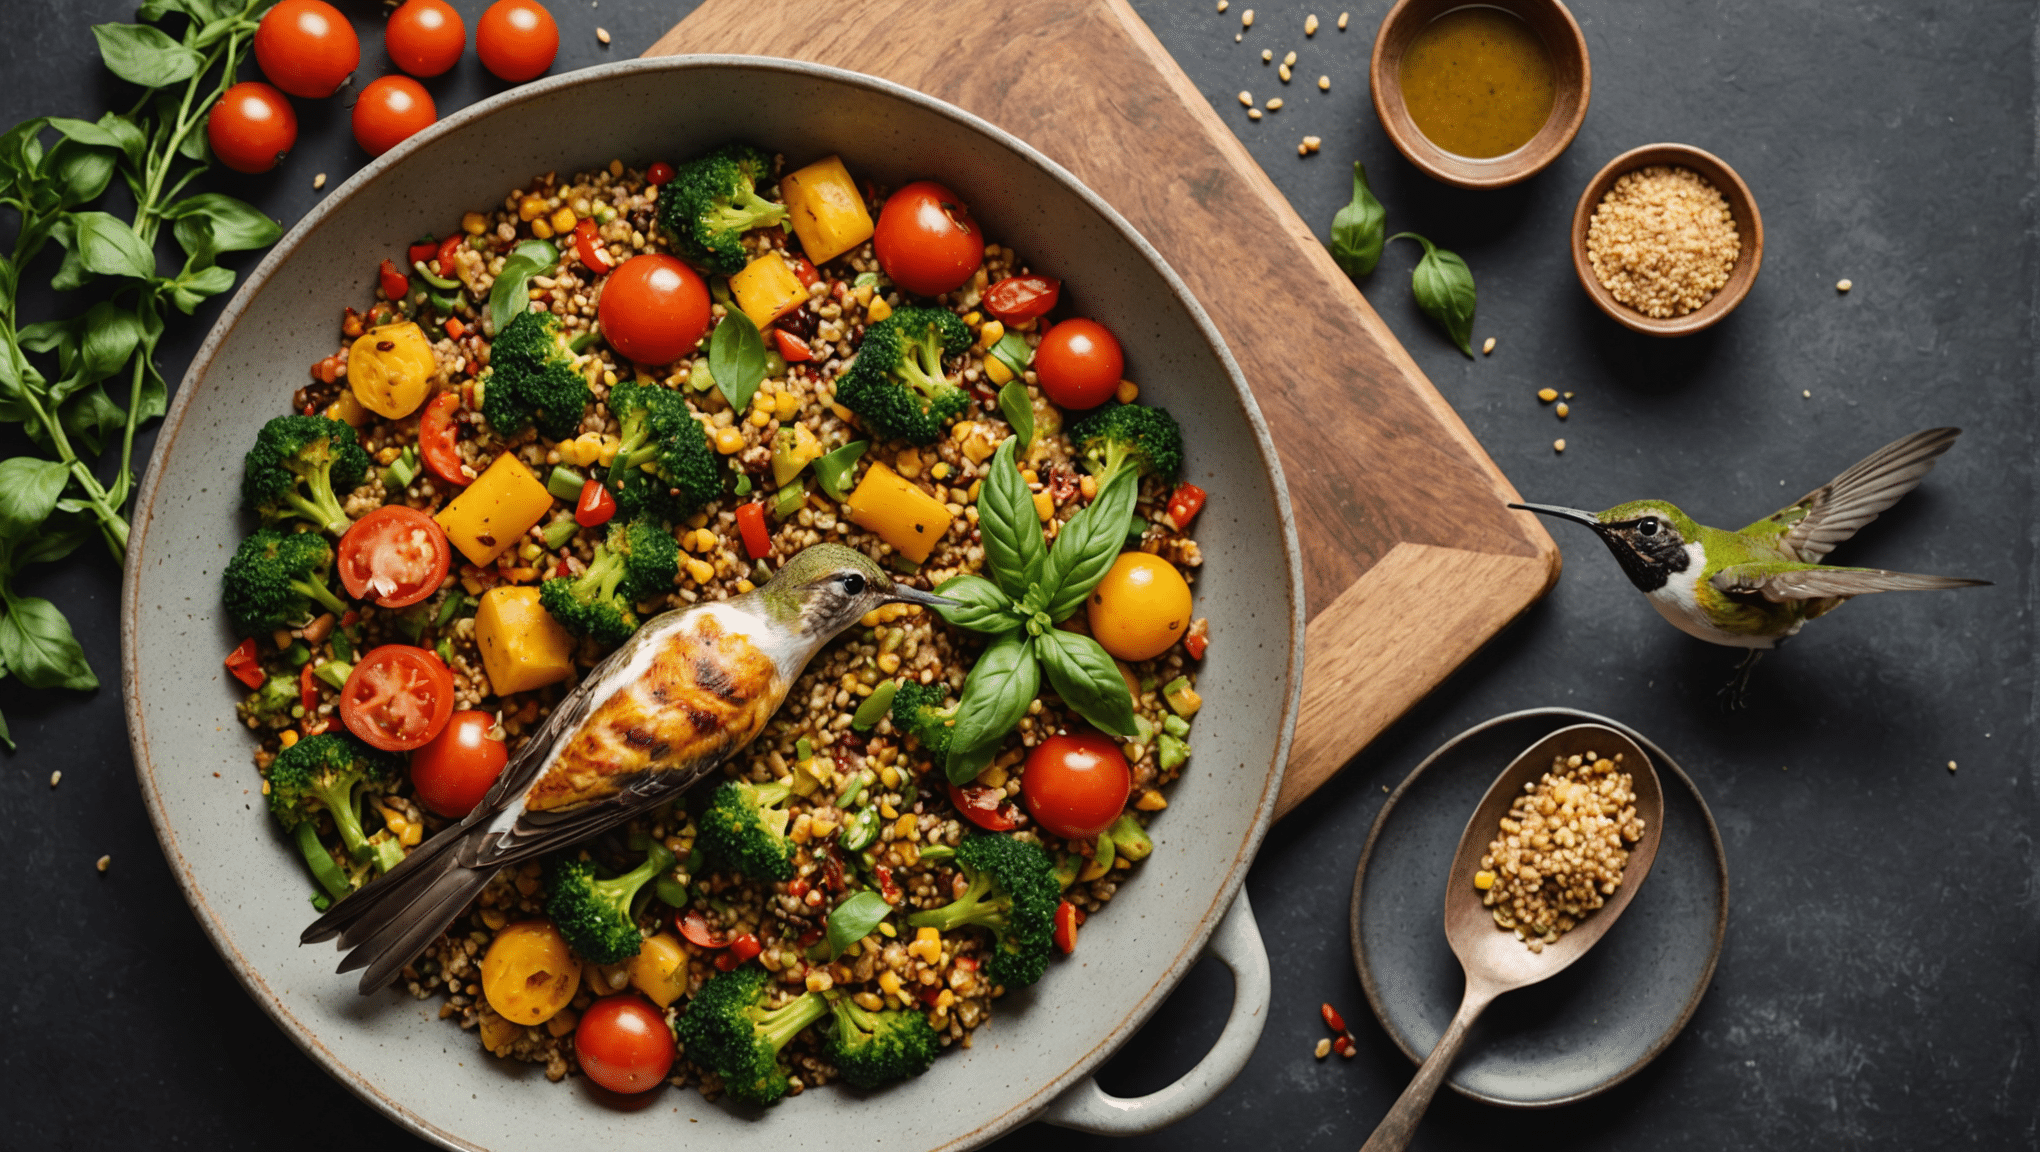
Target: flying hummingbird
{"type": "Point", "coordinates": [687, 692]}
{"type": "Point", "coordinates": [1757, 587]}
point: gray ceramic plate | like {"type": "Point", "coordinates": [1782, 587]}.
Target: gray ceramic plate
{"type": "Point", "coordinates": [250, 894]}
{"type": "Point", "coordinates": [1593, 1025]}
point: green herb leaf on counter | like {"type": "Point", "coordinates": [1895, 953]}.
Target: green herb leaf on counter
{"type": "Point", "coordinates": [736, 357]}
{"type": "Point", "coordinates": [1083, 674]}
{"type": "Point", "coordinates": [1018, 409]}
{"type": "Point", "coordinates": [1357, 229]}
{"type": "Point", "coordinates": [854, 919]}
{"type": "Point", "coordinates": [1443, 286]}
{"type": "Point", "coordinates": [1014, 548]}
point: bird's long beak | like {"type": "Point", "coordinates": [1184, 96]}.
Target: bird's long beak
{"type": "Point", "coordinates": [916, 596]}
{"type": "Point", "coordinates": [1572, 514]}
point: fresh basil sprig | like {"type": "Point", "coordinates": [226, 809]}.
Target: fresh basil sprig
{"type": "Point", "coordinates": [511, 292]}
{"type": "Point", "coordinates": [854, 919]}
{"type": "Point", "coordinates": [1018, 410]}
{"type": "Point", "coordinates": [1083, 674]}
{"type": "Point", "coordinates": [736, 358]}
{"type": "Point", "coordinates": [1357, 229]}
{"type": "Point", "coordinates": [1443, 286]}
{"type": "Point", "coordinates": [1003, 682]}
{"type": "Point", "coordinates": [1014, 548]}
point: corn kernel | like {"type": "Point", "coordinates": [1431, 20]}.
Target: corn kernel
{"type": "Point", "coordinates": [888, 811]}
{"type": "Point", "coordinates": [289, 737]}
{"type": "Point", "coordinates": [997, 371]}
{"type": "Point", "coordinates": [760, 418]}
{"type": "Point", "coordinates": [991, 333]}
{"type": "Point", "coordinates": [746, 586]}
{"type": "Point", "coordinates": [474, 223]}
{"type": "Point", "coordinates": [973, 318]}
{"type": "Point", "coordinates": [1044, 506]}
{"type": "Point", "coordinates": [927, 946]}
{"type": "Point", "coordinates": [473, 586]}
{"type": "Point", "coordinates": [786, 406]}
{"type": "Point", "coordinates": [979, 449]}
{"type": "Point", "coordinates": [611, 445]}
{"type": "Point", "coordinates": [945, 998]}
{"type": "Point", "coordinates": [700, 571]}
{"type": "Point", "coordinates": [728, 440]}
{"type": "Point", "coordinates": [889, 662]}
{"type": "Point", "coordinates": [563, 220]}
{"type": "Point", "coordinates": [941, 471]}
{"type": "Point", "coordinates": [1483, 879]}
{"type": "Point", "coordinates": [1151, 801]}
{"type": "Point", "coordinates": [877, 310]}
{"type": "Point", "coordinates": [961, 430]}
{"type": "Point", "coordinates": [530, 208]}
{"type": "Point", "coordinates": [908, 464]}
{"type": "Point", "coordinates": [1127, 391]}
{"type": "Point", "coordinates": [890, 775]}
{"type": "Point", "coordinates": [906, 828]}
{"type": "Point", "coordinates": [890, 982]}
{"type": "Point", "coordinates": [861, 293]}
{"type": "Point", "coordinates": [541, 229]}
{"type": "Point", "coordinates": [762, 400]}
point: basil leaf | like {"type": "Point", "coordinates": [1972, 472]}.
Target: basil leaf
{"type": "Point", "coordinates": [538, 252]}
{"type": "Point", "coordinates": [36, 643]}
{"type": "Point", "coordinates": [92, 418]}
{"type": "Point", "coordinates": [209, 224]}
{"type": "Point", "coordinates": [71, 274]}
{"type": "Point", "coordinates": [1014, 547]}
{"type": "Point", "coordinates": [854, 919]}
{"type": "Point", "coordinates": [146, 56]}
{"type": "Point", "coordinates": [1443, 286]}
{"type": "Point", "coordinates": [508, 295]}
{"type": "Point", "coordinates": [1018, 409]}
{"type": "Point", "coordinates": [980, 606]}
{"type": "Point", "coordinates": [6, 737]}
{"type": "Point", "coordinates": [21, 150]}
{"type": "Point", "coordinates": [1087, 546]}
{"type": "Point", "coordinates": [1357, 229]}
{"type": "Point", "coordinates": [188, 292]}
{"type": "Point", "coordinates": [80, 172]}
{"type": "Point", "coordinates": [832, 471]}
{"type": "Point", "coordinates": [1003, 683]}
{"type": "Point", "coordinates": [126, 136]}
{"type": "Point", "coordinates": [107, 337]}
{"type": "Point", "coordinates": [1083, 674]}
{"type": "Point", "coordinates": [29, 489]}
{"type": "Point", "coordinates": [105, 245]}
{"type": "Point", "coordinates": [1013, 352]}
{"type": "Point", "coordinates": [736, 357]}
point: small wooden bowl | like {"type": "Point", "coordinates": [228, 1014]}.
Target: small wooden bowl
{"type": "Point", "coordinates": [1748, 224]}
{"type": "Point", "coordinates": [1573, 76]}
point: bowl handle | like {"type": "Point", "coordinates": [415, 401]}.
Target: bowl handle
{"type": "Point", "coordinates": [1237, 945]}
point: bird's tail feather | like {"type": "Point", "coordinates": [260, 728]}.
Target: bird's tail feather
{"type": "Point", "coordinates": [390, 921]}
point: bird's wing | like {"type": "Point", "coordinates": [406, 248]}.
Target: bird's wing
{"type": "Point", "coordinates": [1810, 528]}
{"type": "Point", "coordinates": [1780, 581]}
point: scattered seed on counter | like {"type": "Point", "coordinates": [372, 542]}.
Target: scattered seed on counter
{"type": "Point", "coordinates": [1275, 105]}
{"type": "Point", "coordinates": [1224, 4]}
{"type": "Point", "coordinates": [1332, 1017]}
{"type": "Point", "coordinates": [1324, 1048]}
{"type": "Point", "coordinates": [1313, 143]}
{"type": "Point", "coordinates": [1267, 54]}
{"type": "Point", "coordinates": [1558, 445]}
{"type": "Point", "coordinates": [1951, 765]}
{"type": "Point", "coordinates": [1247, 18]}
{"type": "Point", "coordinates": [1253, 113]}
{"type": "Point", "coordinates": [1310, 24]}
{"type": "Point", "coordinates": [318, 181]}
{"type": "Point", "coordinates": [103, 864]}
{"type": "Point", "coordinates": [1342, 21]}
{"type": "Point", "coordinates": [1324, 83]}
{"type": "Point", "coordinates": [1843, 285]}
{"type": "Point", "coordinates": [1564, 409]}
{"type": "Point", "coordinates": [1247, 98]}
{"type": "Point", "coordinates": [1805, 394]}
{"type": "Point", "coordinates": [1289, 60]}
{"type": "Point", "coordinates": [1284, 72]}
{"type": "Point", "coordinates": [1488, 348]}
{"type": "Point", "coordinates": [602, 34]}
{"type": "Point", "coordinates": [1547, 394]}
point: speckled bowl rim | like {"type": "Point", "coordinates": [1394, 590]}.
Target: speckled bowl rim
{"type": "Point", "coordinates": [1220, 900]}
{"type": "Point", "coordinates": [1664, 762]}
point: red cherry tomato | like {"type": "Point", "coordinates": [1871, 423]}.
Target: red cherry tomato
{"type": "Point", "coordinates": [1076, 785]}
{"type": "Point", "coordinates": [1067, 917]}
{"type": "Point", "coordinates": [659, 173]}
{"type": "Point", "coordinates": [588, 246]}
{"type": "Point", "coordinates": [251, 127]}
{"type": "Point", "coordinates": [426, 249]}
{"type": "Point", "coordinates": [694, 926]}
{"type": "Point", "coordinates": [392, 279]}
{"type": "Point", "coordinates": [308, 694]}
{"type": "Point", "coordinates": [456, 770]}
{"type": "Point", "coordinates": [397, 698]}
{"type": "Point", "coordinates": [804, 271]}
{"type": "Point", "coordinates": [391, 110]}
{"type": "Point", "coordinates": [1079, 364]}
{"type": "Point", "coordinates": [624, 1045]}
{"type": "Point", "coordinates": [741, 949]}
{"type": "Point", "coordinates": [307, 48]}
{"type": "Point", "coordinates": [446, 259]}
{"type": "Point", "coordinates": [395, 556]}
{"type": "Point", "coordinates": [245, 664]}
{"type": "Point", "coordinates": [517, 39]}
{"type": "Point", "coordinates": [596, 506]}
{"type": "Point", "coordinates": [654, 308]}
{"type": "Point", "coordinates": [792, 349]}
{"type": "Point", "coordinates": [437, 442]}
{"type": "Point", "coordinates": [926, 240]}
{"type": "Point", "coordinates": [425, 37]}
{"type": "Point", "coordinates": [1185, 504]}
{"type": "Point", "coordinates": [985, 806]}
{"type": "Point", "coordinates": [1019, 298]}
{"type": "Point", "coordinates": [751, 525]}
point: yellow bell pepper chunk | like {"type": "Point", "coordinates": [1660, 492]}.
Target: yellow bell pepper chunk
{"type": "Point", "coordinates": [348, 410]}
{"type": "Point", "coordinates": [903, 516]}
{"type": "Point", "coordinates": [659, 970]}
{"type": "Point", "coordinates": [767, 289]}
{"type": "Point", "coordinates": [390, 369]}
{"type": "Point", "coordinates": [523, 647]}
{"type": "Point", "coordinates": [826, 209]}
{"type": "Point", "coordinates": [495, 511]}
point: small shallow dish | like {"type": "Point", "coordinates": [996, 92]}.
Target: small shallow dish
{"type": "Point", "coordinates": [1591, 1026]}
{"type": "Point", "coordinates": [250, 893]}
{"type": "Point", "coordinates": [1571, 70]}
{"type": "Point", "coordinates": [1749, 225]}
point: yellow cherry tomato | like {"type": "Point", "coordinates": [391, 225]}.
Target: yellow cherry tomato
{"type": "Point", "coordinates": [529, 974]}
{"type": "Point", "coordinates": [1140, 608]}
{"type": "Point", "coordinates": [390, 369]}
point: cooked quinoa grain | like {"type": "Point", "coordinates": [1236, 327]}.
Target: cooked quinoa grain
{"type": "Point", "coordinates": [1663, 241]}
{"type": "Point", "coordinates": [1562, 848]}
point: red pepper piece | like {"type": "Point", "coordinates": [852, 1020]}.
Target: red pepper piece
{"type": "Point", "coordinates": [1184, 506]}
{"type": "Point", "coordinates": [659, 173]}
{"type": "Point", "coordinates": [1067, 917]}
{"type": "Point", "coordinates": [804, 271]}
{"type": "Point", "coordinates": [596, 506]}
{"type": "Point", "coordinates": [985, 806]}
{"type": "Point", "coordinates": [694, 926]}
{"type": "Point", "coordinates": [798, 888]}
{"type": "Point", "coordinates": [741, 949]}
{"type": "Point", "coordinates": [588, 246]}
{"type": "Point", "coordinates": [443, 260]}
{"type": "Point", "coordinates": [1196, 646]}
{"type": "Point", "coordinates": [832, 870]}
{"type": "Point", "coordinates": [394, 282]}
{"type": "Point", "coordinates": [887, 886]}
{"type": "Point", "coordinates": [792, 349]}
{"type": "Point", "coordinates": [1333, 1020]}
{"type": "Point", "coordinates": [426, 249]}
{"type": "Point", "coordinates": [455, 328]}
{"type": "Point", "coordinates": [751, 525]}
{"type": "Point", "coordinates": [245, 664]}
{"type": "Point", "coordinates": [437, 441]}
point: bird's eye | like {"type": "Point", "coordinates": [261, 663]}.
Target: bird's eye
{"type": "Point", "coordinates": [853, 584]}
{"type": "Point", "coordinates": [1648, 527]}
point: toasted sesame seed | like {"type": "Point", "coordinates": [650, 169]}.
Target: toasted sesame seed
{"type": "Point", "coordinates": [1951, 765]}
{"type": "Point", "coordinates": [1247, 18]}
{"type": "Point", "coordinates": [1324, 1047]}
{"type": "Point", "coordinates": [602, 34]}
{"type": "Point", "coordinates": [1547, 394]}
{"type": "Point", "coordinates": [1805, 394]}
{"type": "Point", "coordinates": [318, 181]}
{"type": "Point", "coordinates": [1564, 409]}
{"type": "Point", "coordinates": [1324, 83]}
{"type": "Point", "coordinates": [1246, 98]}
{"type": "Point", "coordinates": [1310, 24]}
{"type": "Point", "coordinates": [1253, 113]}
{"type": "Point", "coordinates": [1313, 142]}
{"type": "Point", "coordinates": [1224, 4]}
{"type": "Point", "coordinates": [104, 863]}
{"type": "Point", "coordinates": [1558, 445]}
{"type": "Point", "coordinates": [1488, 347]}
{"type": "Point", "coordinates": [1237, 37]}
{"type": "Point", "coordinates": [54, 777]}
{"type": "Point", "coordinates": [1844, 285]}
{"type": "Point", "coordinates": [1283, 71]}
{"type": "Point", "coordinates": [1303, 149]}
{"type": "Point", "coordinates": [1289, 59]}
{"type": "Point", "coordinates": [1568, 395]}
{"type": "Point", "coordinates": [1342, 21]}
{"type": "Point", "coordinates": [1267, 54]}
{"type": "Point", "coordinates": [1275, 105]}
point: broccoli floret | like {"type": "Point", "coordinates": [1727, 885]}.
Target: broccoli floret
{"type": "Point", "coordinates": [278, 578]}
{"type": "Point", "coordinates": [917, 711]}
{"type": "Point", "coordinates": [589, 604]}
{"type": "Point", "coordinates": [595, 915]}
{"type": "Point", "coordinates": [1129, 436]}
{"type": "Point", "coordinates": [651, 558]}
{"type": "Point", "coordinates": [269, 706]}
{"type": "Point", "coordinates": [897, 385]}
{"type": "Point", "coordinates": [710, 203]}
{"type": "Point", "coordinates": [744, 827]}
{"type": "Point", "coordinates": [298, 468]}
{"type": "Point", "coordinates": [1013, 894]}
{"type": "Point", "coordinates": [728, 1029]}
{"type": "Point", "coordinates": [874, 1048]}
{"type": "Point", "coordinates": [665, 464]}
{"type": "Point", "coordinates": [334, 773]}
{"type": "Point", "coordinates": [532, 379]}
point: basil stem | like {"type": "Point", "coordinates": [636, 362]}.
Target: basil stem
{"type": "Point", "coordinates": [1443, 286]}
{"type": "Point", "coordinates": [1014, 548]}
{"type": "Point", "coordinates": [1357, 229]}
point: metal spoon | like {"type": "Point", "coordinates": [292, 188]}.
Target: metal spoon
{"type": "Point", "coordinates": [1493, 959]}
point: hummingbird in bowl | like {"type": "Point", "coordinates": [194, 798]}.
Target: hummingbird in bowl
{"type": "Point", "coordinates": [1757, 587]}
{"type": "Point", "coordinates": [688, 691]}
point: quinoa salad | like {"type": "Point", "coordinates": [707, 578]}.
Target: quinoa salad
{"type": "Point", "coordinates": [632, 390]}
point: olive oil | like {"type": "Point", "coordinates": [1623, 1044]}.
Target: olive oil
{"type": "Point", "coordinates": [1478, 82]}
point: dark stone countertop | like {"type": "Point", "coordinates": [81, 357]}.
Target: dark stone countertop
{"type": "Point", "coordinates": [1878, 985]}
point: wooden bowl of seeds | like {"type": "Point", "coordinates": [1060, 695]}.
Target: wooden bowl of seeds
{"type": "Point", "coordinates": [1666, 239]}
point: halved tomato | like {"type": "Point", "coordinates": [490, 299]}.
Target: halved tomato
{"type": "Point", "coordinates": [397, 698]}
{"type": "Point", "coordinates": [394, 555]}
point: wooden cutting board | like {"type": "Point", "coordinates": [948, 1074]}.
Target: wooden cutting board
{"type": "Point", "coordinates": [1411, 562]}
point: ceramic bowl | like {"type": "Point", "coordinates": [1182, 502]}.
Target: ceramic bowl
{"type": "Point", "coordinates": [1749, 255]}
{"type": "Point", "coordinates": [251, 895]}
{"type": "Point", "coordinates": [1573, 73]}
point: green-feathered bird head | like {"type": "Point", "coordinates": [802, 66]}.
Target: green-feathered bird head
{"type": "Point", "coordinates": [828, 587]}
